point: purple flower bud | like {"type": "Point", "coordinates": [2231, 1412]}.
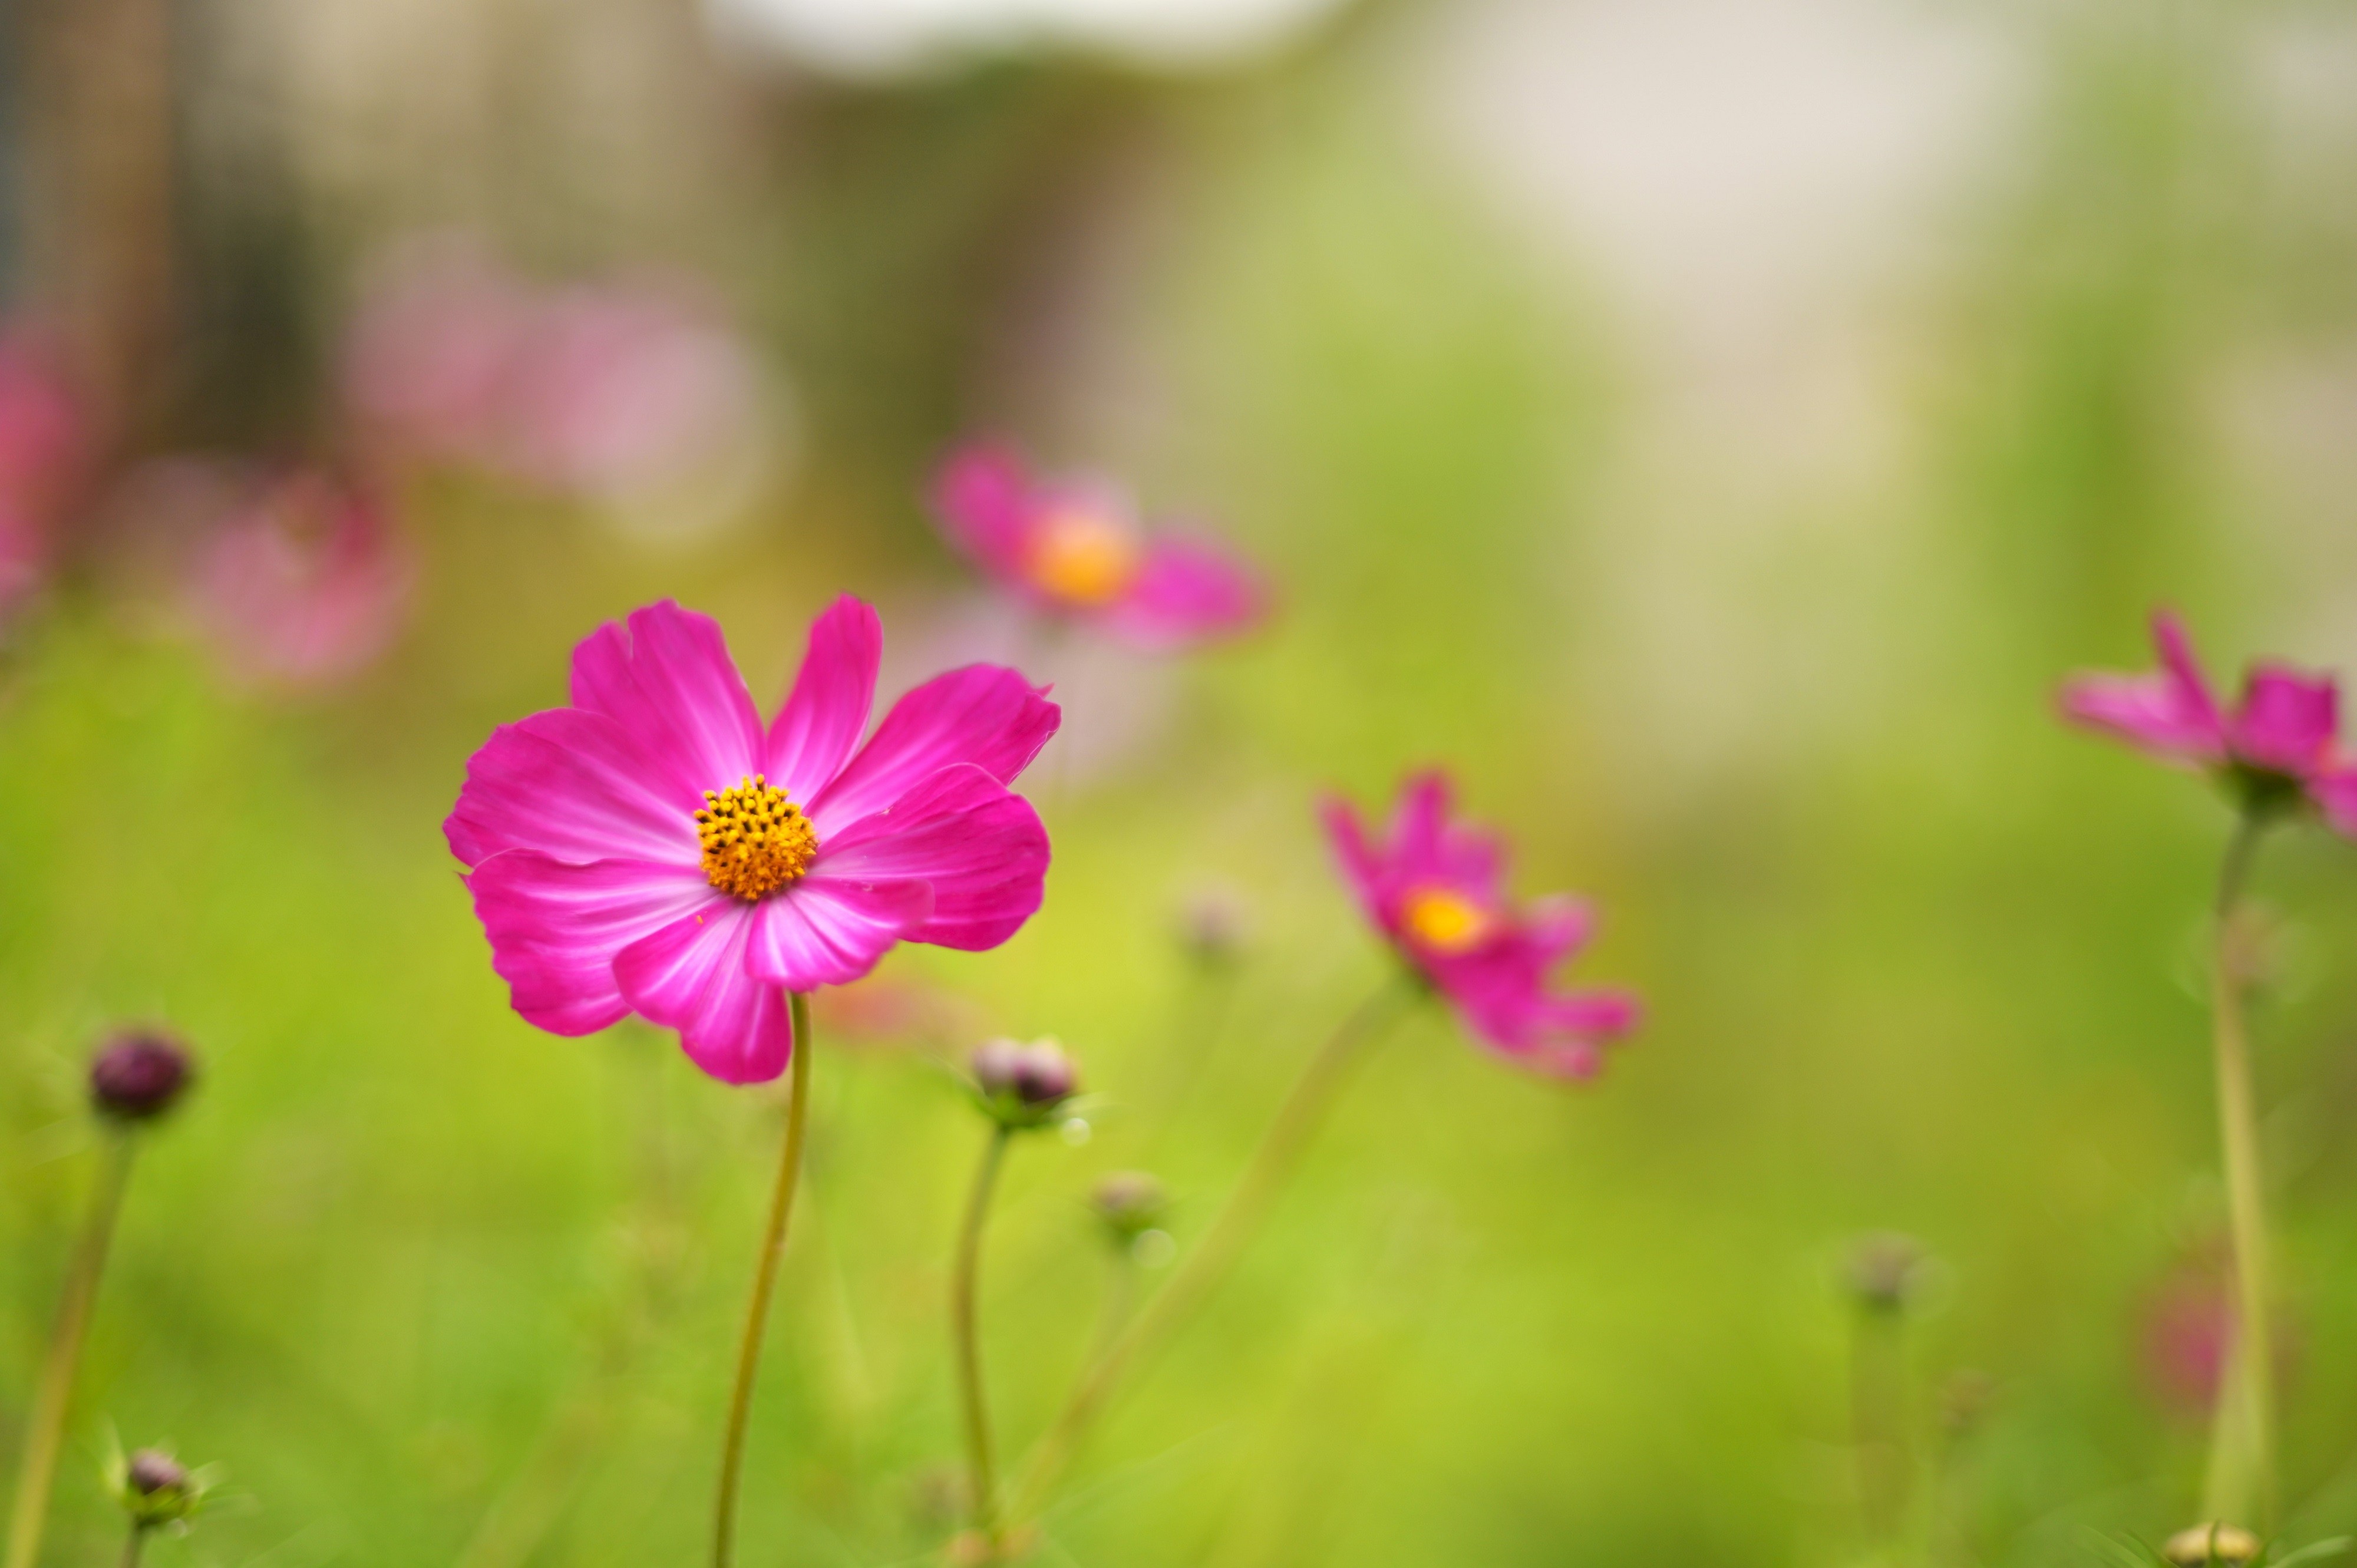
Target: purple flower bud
{"type": "Point", "coordinates": [995, 1064]}
{"type": "Point", "coordinates": [153, 1471]}
{"type": "Point", "coordinates": [1045, 1076]}
{"type": "Point", "coordinates": [1021, 1086]}
{"type": "Point", "coordinates": [139, 1074]}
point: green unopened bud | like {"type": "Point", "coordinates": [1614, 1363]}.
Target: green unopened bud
{"type": "Point", "coordinates": [1129, 1203]}
{"type": "Point", "coordinates": [1885, 1271]}
{"type": "Point", "coordinates": [2212, 1545]}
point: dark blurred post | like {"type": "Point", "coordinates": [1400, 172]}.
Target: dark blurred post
{"type": "Point", "coordinates": [93, 101]}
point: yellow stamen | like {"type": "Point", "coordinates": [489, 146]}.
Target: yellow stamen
{"type": "Point", "coordinates": [755, 839]}
{"type": "Point", "coordinates": [1447, 922]}
{"type": "Point", "coordinates": [1085, 557]}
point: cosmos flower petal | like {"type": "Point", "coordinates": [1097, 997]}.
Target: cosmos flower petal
{"type": "Point", "coordinates": [1186, 591]}
{"type": "Point", "coordinates": [1360, 867]}
{"type": "Point", "coordinates": [983, 498]}
{"type": "Point", "coordinates": [572, 785]}
{"type": "Point", "coordinates": [1559, 926]}
{"type": "Point", "coordinates": [2287, 720]}
{"type": "Point", "coordinates": [986, 714]}
{"type": "Point", "coordinates": [2146, 712]}
{"type": "Point", "coordinates": [555, 929]}
{"type": "Point", "coordinates": [978, 845]}
{"type": "Point", "coordinates": [832, 930]}
{"type": "Point", "coordinates": [825, 714]}
{"type": "Point", "coordinates": [2335, 794]}
{"type": "Point", "coordinates": [667, 679]}
{"type": "Point", "coordinates": [2188, 688]}
{"type": "Point", "coordinates": [692, 976]}
{"type": "Point", "coordinates": [2169, 715]}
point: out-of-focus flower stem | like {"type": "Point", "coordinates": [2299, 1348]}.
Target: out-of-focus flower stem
{"type": "Point", "coordinates": [981, 1468]}
{"type": "Point", "coordinates": [45, 1431]}
{"type": "Point", "coordinates": [2242, 1461]}
{"type": "Point", "coordinates": [1280, 1147]}
{"type": "Point", "coordinates": [765, 1278]}
{"type": "Point", "coordinates": [130, 1548]}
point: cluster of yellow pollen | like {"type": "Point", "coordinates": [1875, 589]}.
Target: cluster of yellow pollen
{"type": "Point", "coordinates": [1085, 557]}
{"type": "Point", "coordinates": [755, 839]}
{"type": "Point", "coordinates": [1445, 921]}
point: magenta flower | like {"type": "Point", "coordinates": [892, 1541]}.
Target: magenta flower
{"type": "Point", "coordinates": [653, 849]}
{"type": "Point", "coordinates": [2278, 747]}
{"type": "Point", "coordinates": [1434, 888]}
{"type": "Point", "coordinates": [1078, 550]}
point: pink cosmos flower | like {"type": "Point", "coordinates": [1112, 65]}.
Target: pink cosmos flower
{"type": "Point", "coordinates": [304, 584]}
{"type": "Point", "coordinates": [2277, 747]}
{"type": "Point", "coordinates": [654, 848]}
{"type": "Point", "coordinates": [1078, 550]}
{"type": "Point", "coordinates": [1434, 888]}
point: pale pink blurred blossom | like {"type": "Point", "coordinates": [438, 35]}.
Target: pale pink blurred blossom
{"type": "Point", "coordinates": [303, 582]}
{"type": "Point", "coordinates": [616, 392]}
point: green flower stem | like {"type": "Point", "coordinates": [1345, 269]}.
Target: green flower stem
{"type": "Point", "coordinates": [2242, 1453]}
{"type": "Point", "coordinates": [45, 1431]}
{"type": "Point", "coordinates": [1280, 1147]}
{"type": "Point", "coordinates": [130, 1548]}
{"type": "Point", "coordinates": [982, 1468]}
{"type": "Point", "coordinates": [765, 1278]}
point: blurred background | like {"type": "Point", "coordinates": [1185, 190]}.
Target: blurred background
{"type": "Point", "coordinates": [1709, 427]}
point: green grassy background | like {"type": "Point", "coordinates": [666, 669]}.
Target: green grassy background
{"type": "Point", "coordinates": [435, 1288]}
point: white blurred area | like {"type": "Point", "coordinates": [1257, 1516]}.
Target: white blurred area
{"type": "Point", "coordinates": [1757, 198]}
{"type": "Point", "coordinates": [889, 38]}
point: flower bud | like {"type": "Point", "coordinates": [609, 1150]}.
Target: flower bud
{"type": "Point", "coordinates": [1129, 1203]}
{"type": "Point", "coordinates": [139, 1075]}
{"type": "Point", "coordinates": [155, 1489]}
{"type": "Point", "coordinates": [1214, 925]}
{"type": "Point", "coordinates": [1885, 1270]}
{"type": "Point", "coordinates": [152, 1471]}
{"type": "Point", "coordinates": [1022, 1086]}
{"type": "Point", "coordinates": [2204, 1544]}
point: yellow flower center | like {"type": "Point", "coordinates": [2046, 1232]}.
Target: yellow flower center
{"type": "Point", "coordinates": [1447, 922]}
{"type": "Point", "coordinates": [1085, 557]}
{"type": "Point", "coordinates": [755, 839]}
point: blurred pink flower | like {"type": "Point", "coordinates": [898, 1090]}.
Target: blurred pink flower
{"type": "Point", "coordinates": [653, 849]}
{"type": "Point", "coordinates": [1078, 550]}
{"type": "Point", "coordinates": [303, 584]}
{"type": "Point", "coordinates": [1433, 887]}
{"type": "Point", "coordinates": [2279, 745]}
{"type": "Point", "coordinates": [2188, 1327]}
{"type": "Point", "coordinates": [44, 447]}
{"type": "Point", "coordinates": [607, 390]}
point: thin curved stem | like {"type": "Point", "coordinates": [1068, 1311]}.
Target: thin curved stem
{"type": "Point", "coordinates": [2241, 1484]}
{"type": "Point", "coordinates": [765, 1278]}
{"type": "Point", "coordinates": [981, 1465]}
{"type": "Point", "coordinates": [1296, 1120]}
{"type": "Point", "coordinates": [45, 1429]}
{"type": "Point", "coordinates": [132, 1547]}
